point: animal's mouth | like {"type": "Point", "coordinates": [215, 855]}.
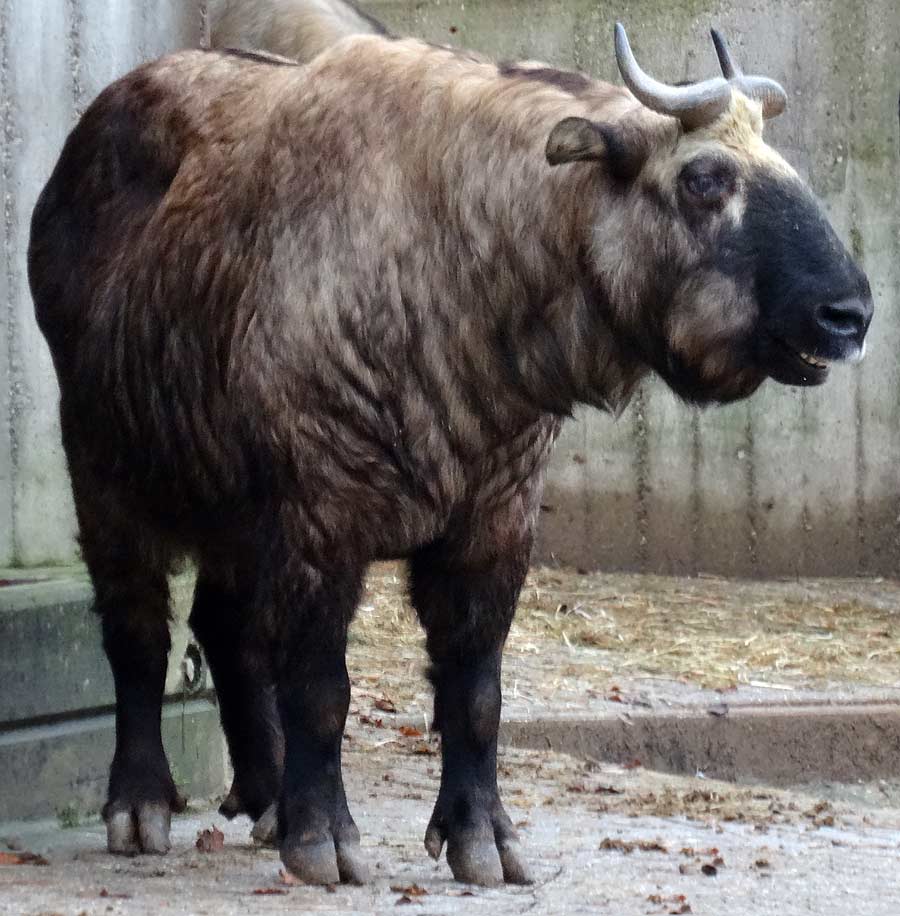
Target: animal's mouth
{"type": "Point", "coordinates": [792, 365]}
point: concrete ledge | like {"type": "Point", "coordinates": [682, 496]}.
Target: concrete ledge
{"type": "Point", "coordinates": [48, 768]}
{"type": "Point", "coordinates": [780, 746]}
{"type": "Point", "coordinates": [57, 730]}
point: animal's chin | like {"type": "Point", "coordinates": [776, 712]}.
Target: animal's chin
{"type": "Point", "coordinates": [692, 384]}
{"type": "Point", "coordinates": [789, 364]}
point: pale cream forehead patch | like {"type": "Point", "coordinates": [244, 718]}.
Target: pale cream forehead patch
{"type": "Point", "coordinates": [738, 130]}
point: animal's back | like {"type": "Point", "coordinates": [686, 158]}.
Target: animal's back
{"type": "Point", "coordinates": [247, 270]}
{"type": "Point", "coordinates": [129, 269]}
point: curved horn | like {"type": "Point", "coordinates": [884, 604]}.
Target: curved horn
{"type": "Point", "coordinates": [765, 91]}
{"type": "Point", "coordinates": [694, 105]}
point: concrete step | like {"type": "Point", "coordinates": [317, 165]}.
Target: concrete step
{"type": "Point", "coordinates": [57, 730]}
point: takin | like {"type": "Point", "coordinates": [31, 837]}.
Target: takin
{"type": "Point", "coordinates": [307, 316]}
{"type": "Point", "coordinates": [297, 29]}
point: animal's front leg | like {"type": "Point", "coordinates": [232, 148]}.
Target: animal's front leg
{"type": "Point", "coordinates": [466, 611]}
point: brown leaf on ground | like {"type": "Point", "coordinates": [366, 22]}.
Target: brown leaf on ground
{"type": "Point", "coordinates": [629, 847]}
{"type": "Point", "coordinates": [676, 904]}
{"type": "Point", "coordinates": [406, 899]}
{"type": "Point", "coordinates": [414, 890]}
{"type": "Point", "coordinates": [368, 720]}
{"type": "Point", "coordinates": [270, 891]}
{"type": "Point", "coordinates": [22, 858]}
{"type": "Point", "coordinates": [385, 704]}
{"type": "Point", "coordinates": [423, 748]}
{"type": "Point", "coordinates": [632, 764]}
{"type": "Point", "coordinates": [110, 896]}
{"type": "Point", "coordinates": [410, 731]}
{"type": "Point", "coordinates": [211, 840]}
{"type": "Point", "coordinates": [690, 851]}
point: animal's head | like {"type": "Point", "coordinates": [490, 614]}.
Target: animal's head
{"type": "Point", "coordinates": [718, 264]}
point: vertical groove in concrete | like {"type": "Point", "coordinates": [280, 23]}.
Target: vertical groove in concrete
{"type": "Point", "coordinates": [205, 25]}
{"type": "Point", "coordinates": [696, 491]}
{"type": "Point", "coordinates": [752, 500]}
{"type": "Point", "coordinates": [10, 459]}
{"type": "Point", "coordinates": [74, 52]}
{"type": "Point", "coordinates": [639, 432]}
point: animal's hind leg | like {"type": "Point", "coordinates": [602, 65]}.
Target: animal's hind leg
{"type": "Point", "coordinates": [132, 599]}
{"type": "Point", "coordinates": [310, 611]}
{"type": "Point", "coordinates": [221, 620]}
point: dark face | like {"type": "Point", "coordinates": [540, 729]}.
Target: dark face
{"type": "Point", "coordinates": [748, 280]}
{"type": "Point", "coordinates": [815, 303]}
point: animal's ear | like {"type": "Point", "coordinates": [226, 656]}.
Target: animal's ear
{"type": "Point", "coordinates": [575, 139]}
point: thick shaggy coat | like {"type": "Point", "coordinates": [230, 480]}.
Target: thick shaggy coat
{"type": "Point", "coordinates": [307, 316]}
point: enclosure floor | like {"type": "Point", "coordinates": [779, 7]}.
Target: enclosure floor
{"type": "Point", "coordinates": [599, 839]}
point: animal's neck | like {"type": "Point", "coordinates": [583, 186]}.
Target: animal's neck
{"type": "Point", "coordinates": [546, 323]}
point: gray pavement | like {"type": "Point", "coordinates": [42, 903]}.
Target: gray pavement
{"type": "Point", "coordinates": [599, 839]}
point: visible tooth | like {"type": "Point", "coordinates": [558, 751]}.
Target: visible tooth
{"type": "Point", "coordinates": [812, 361]}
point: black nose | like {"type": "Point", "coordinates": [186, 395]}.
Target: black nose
{"type": "Point", "coordinates": [847, 318]}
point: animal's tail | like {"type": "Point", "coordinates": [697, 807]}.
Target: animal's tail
{"type": "Point", "coordinates": [294, 28]}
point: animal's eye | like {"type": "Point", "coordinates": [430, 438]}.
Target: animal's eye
{"type": "Point", "coordinates": [707, 182]}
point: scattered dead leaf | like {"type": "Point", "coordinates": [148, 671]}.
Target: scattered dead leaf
{"type": "Point", "coordinates": [410, 731]}
{"type": "Point", "coordinates": [21, 857]}
{"type": "Point", "coordinates": [385, 704]}
{"type": "Point", "coordinates": [211, 840]}
{"type": "Point", "coordinates": [270, 892]}
{"type": "Point", "coordinates": [822, 814]}
{"type": "Point", "coordinates": [676, 905]}
{"type": "Point", "coordinates": [627, 846]}
{"type": "Point", "coordinates": [709, 869]}
{"type": "Point", "coordinates": [368, 720]}
{"type": "Point", "coordinates": [413, 890]}
{"type": "Point", "coordinates": [108, 895]}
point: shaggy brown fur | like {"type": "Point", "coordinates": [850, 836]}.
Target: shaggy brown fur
{"type": "Point", "coordinates": [307, 316]}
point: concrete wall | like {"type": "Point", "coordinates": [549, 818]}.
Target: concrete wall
{"type": "Point", "coordinates": [55, 56]}
{"type": "Point", "coordinates": [789, 482]}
